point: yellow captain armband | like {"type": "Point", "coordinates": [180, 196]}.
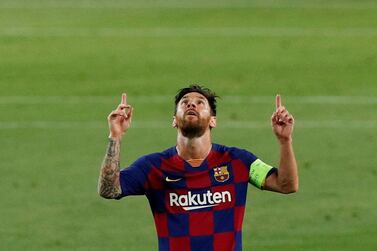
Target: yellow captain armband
{"type": "Point", "coordinates": [258, 173]}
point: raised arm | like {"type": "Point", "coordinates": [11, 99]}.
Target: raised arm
{"type": "Point", "coordinates": [119, 121]}
{"type": "Point", "coordinates": [285, 180]}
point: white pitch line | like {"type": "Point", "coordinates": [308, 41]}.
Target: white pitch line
{"type": "Point", "coordinates": [189, 32]}
{"type": "Point", "coordinates": [165, 99]}
{"type": "Point", "coordinates": [185, 5]}
{"type": "Point", "coordinates": [304, 124]}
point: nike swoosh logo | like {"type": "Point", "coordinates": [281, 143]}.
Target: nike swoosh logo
{"type": "Point", "coordinates": [172, 180]}
{"type": "Point", "coordinates": [199, 207]}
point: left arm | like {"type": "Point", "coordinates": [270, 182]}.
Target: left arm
{"type": "Point", "coordinates": [285, 180]}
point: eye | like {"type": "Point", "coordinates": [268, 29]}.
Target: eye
{"type": "Point", "coordinates": [200, 102]}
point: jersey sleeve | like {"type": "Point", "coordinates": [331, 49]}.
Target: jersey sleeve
{"type": "Point", "coordinates": [132, 179]}
{"type": "Point", "coordinates": [258, 170]}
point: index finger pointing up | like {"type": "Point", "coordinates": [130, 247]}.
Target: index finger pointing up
{"type": "Point", "coordinates": [278, 101]}
{"type": "Point", "coordinates": [124, 99]}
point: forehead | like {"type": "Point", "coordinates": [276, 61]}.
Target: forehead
{"type": "Point", "coordinates": [191, 95]}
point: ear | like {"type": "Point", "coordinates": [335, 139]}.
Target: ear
{"type": "Point", "coordinates": [212, 122]}
{"type": "Point", "coordinates": [174, 123]}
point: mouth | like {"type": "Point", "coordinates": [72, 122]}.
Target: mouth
{"type": "Point", "coordinates": [191, 113]}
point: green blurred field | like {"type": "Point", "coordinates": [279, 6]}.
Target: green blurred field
{"type": "Point", "coordinates": [64, 65]}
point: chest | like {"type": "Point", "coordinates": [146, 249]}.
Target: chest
{"type": "Point", "coordinates": [189, 188]}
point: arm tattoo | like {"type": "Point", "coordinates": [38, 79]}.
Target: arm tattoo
{"type": "Point", "coordinates": [108, 183]}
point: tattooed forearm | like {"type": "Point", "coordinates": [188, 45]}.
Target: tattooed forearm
{"type": "Point", "coordinates": [108, 183]}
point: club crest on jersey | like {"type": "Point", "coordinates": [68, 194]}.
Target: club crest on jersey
{"type": "Point", "coordinates": [221, 173]}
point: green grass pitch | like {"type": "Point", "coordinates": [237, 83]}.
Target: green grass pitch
{"type": "Point", "coordinates": [64, 65]}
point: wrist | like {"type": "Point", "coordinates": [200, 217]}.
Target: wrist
{"type": "Point", "coordinates": [285, 141]}
{"type": "Point", "coordinates": [115, 137]}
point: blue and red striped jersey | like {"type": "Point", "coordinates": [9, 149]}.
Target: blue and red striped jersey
{"type": "Point", "coordinates": [195, 208]}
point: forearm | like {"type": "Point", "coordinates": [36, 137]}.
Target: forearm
{"type": "Point", "coordinates": [287, 178]}
{"type": "Point", "coordinates": [108, 183]}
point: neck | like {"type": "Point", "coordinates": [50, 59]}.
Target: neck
{"type": "Point", "coordinates": [194, 148]}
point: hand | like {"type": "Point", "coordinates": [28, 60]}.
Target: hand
{"type": "Point", "coordinates": [119, 120]}
{"type": "Point", "coordinates": [282, 122]}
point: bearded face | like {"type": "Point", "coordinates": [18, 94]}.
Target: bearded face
{"type": "Point", "coordinates": [193, 124]}
{"type": "Point", "coordinates": [193, 117]}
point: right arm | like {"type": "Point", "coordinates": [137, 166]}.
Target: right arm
{"type": "Point", "coordinates": [119, 121]}
{"type": "Point", "coordinates": [108, 183]}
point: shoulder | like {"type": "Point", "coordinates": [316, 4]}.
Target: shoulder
{"type": "Point", "coordinates": [154, 158]}
{"type": "Point", "coordinates": [235, 154]}
{"type": "Point", "coordinates": [233, 151]}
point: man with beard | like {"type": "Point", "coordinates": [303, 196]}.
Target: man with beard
{"type": "Point", "coordinates": [197, 189]}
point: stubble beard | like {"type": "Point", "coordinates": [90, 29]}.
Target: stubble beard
{"type": "Point", "coordinates": [193, 129]}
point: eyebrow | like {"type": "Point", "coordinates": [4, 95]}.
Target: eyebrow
{"type": "Point", "coordinates": [200, 97]}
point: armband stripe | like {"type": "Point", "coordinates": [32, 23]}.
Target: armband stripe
{"type": "Point", "coordinates": [258, 173]}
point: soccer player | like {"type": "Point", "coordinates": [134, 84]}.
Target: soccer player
{"type": "Point", "coordinates": [197, 189]}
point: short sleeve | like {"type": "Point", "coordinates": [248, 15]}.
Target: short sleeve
{"type": "Point", "coordinates": [132, 179]}
{"type": "Point", "coordinates": [259, 171]}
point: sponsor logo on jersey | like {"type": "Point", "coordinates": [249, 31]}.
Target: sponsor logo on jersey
{"type": "Point", "coordinates": [192, 201]}
{"type": "Point", "coordinates": [221, 173]}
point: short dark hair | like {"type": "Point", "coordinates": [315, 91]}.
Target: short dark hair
{"type": "Point", "coordinates": [207, 93]}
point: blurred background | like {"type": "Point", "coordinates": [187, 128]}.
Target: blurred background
{"type": "Point", "coordinates": [64, 65]}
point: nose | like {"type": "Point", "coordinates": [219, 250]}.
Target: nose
{"type": "Point", "coordinates": [191, 104]}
